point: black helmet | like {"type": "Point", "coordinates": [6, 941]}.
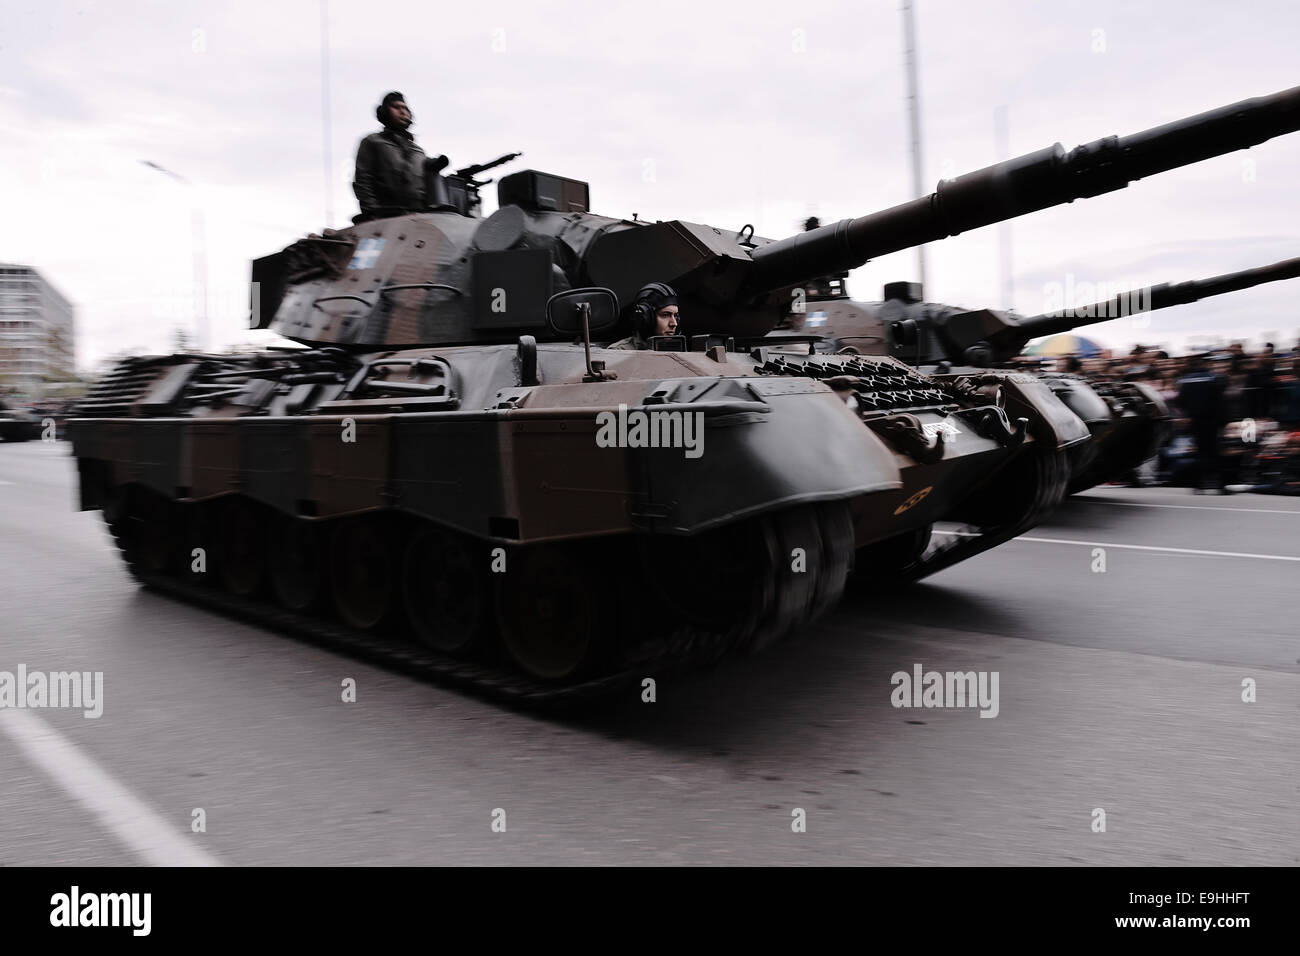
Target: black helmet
{"type": "Point", "coordinates": [649, 300]}
{"type": "Point", "coordinates": [381, 111]}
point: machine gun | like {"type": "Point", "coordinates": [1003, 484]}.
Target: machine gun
{"type": "Point", "coordinates": [469, 172]}
{"type": "Point", "coordinates": [459, 191]}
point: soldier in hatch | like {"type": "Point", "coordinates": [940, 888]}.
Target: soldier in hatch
{"type": "Point", "coordinates": [653, 312]}
{"type": "Point", "coordinates": [390, 166]}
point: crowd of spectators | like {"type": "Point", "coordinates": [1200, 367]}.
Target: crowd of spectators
{"type": "Point", "coordinates": [1236, 415]}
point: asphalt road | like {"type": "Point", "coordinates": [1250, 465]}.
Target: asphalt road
{"type": "Point", "coordinates": [1119, 690]}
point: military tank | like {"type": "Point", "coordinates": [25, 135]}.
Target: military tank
{"type": "Point", "coordinates": [449, 455]}
{"type": "Point", "coordinates": [17, 424]}
{"type": "Point", "coordinates": [1127, 420]}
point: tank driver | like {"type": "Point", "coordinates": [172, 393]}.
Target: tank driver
{"type": "Point", "coordinates": [653, 312]}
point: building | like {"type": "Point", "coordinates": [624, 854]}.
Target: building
{"type": "Point", "coordinates": [37, 333]}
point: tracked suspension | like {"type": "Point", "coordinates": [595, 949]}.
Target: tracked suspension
{"type": "Point", "coordinates": [649, 631]}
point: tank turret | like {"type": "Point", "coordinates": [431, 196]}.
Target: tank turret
{"type": "Point", "coordinates": [444, 278]}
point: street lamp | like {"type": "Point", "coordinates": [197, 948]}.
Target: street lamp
{"type": "Point", "coordinates": [914, 117]}
{"type": "Point", "coordinates": [198, 244]}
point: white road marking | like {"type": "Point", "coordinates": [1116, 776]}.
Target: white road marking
{"type": "Point", "coordinates": [1138, 547]}
{"type": "Point", "coordinates": [135, 824]}
{"type": "Point", "coordinates": [1142, 504]}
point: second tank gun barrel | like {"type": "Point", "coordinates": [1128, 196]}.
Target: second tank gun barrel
{"type": "Point", "coordinates": [1025, 184]}
{"type": "Point", "coordinates": [1155, 297]}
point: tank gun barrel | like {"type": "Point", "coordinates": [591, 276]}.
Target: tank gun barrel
{"type": "Point", "coordinates": [1161, 296]}
{"type": "Point", "coordinates": [1025, 184]}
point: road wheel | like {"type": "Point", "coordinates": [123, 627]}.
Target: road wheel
{"type": "Point", "coordinates": [835, 522]}
{"type": "Point", "coordinates": [363, 572]}
{"type": "Point", "coordinates": [297, 566]}
{"type": "Point", "coordinates": [155, 538]}
{"type": "Point", "coordinates": [553, 611]}
{"type": "Point", "coordinates": [143, 522]}
{"type": "Point", "coordinates": [241, 563]}
{"type": "Point", "coordinates": [757, 581]}
{"type": "Point", "coordinates": [722, 581]}
{"type": "Point", "coordinates": [446, 589]}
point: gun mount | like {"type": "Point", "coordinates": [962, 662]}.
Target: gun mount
{"type": "Point", "coordinates": [458, 192]}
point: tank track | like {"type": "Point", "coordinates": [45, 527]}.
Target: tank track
{"type": "Point", "coordinates": [1051, 480]}
{"type": "Point", "coordinates": [679, 649]}
{"type": "Point", "coordinates": [882, 385]}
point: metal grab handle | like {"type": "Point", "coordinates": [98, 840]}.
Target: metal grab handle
{"type": "Point", "coordinates": [331, 298]}
{"type": "Point", "coordinates": [453, 379]}
{"type": "Point", "coordinates": [420, 285]}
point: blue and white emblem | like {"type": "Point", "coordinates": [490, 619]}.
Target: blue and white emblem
{"type": "Point", "coordinates": [815, 320]}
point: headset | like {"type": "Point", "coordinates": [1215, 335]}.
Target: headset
{"type": "Point", "coordinates": [643, 313]}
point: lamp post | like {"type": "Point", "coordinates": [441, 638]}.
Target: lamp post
{"type": "Point", "coordinates": [198, 245]}
{"type": "Point", "coordinates": [914, 117]}
{"type": "Point", "coordinates": [325, 110]}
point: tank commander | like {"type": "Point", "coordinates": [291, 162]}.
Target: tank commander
{"type": "Point", "coordinates": [390, 166]}
{"type": "Point", "coordinates": [653, 312]}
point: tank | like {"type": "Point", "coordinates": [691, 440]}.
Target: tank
{"type": "Point", "coordinates": [451, 468]}
{"type": "Point", "coordinates": [16, 424]}
{"type": "Point", "coordinates": [1128, 421]}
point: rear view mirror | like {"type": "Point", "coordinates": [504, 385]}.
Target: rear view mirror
{"type": "Point", "coordinates": [564, 311]}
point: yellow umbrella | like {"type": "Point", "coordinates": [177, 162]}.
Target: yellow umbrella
{"type": "Point", "coordinates": [1066, 343]}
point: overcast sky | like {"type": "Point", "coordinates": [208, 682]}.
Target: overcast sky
{"type": "Point", "coordinates": [723, 113]}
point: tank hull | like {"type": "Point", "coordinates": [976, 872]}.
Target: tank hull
{"type": "Point", "coordinates": [689, 504]}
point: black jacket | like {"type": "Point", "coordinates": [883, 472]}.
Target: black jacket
{"type": "Point", "coordinates": [390, 174]}
{"type": "Point", "coordinates": [1201, 396]}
